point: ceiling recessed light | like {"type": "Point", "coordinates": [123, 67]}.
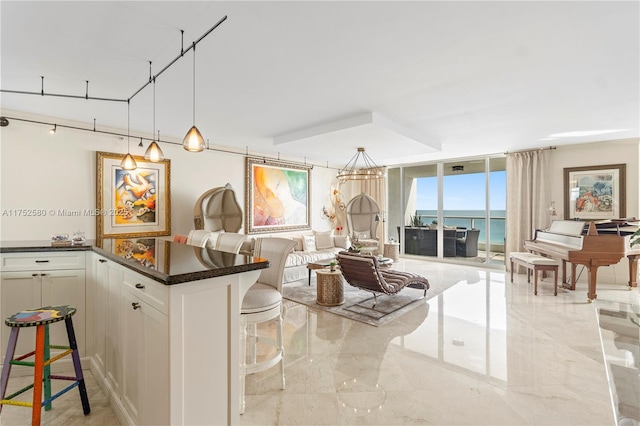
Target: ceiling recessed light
{"type": "Point", "coordinates": [578, 133]}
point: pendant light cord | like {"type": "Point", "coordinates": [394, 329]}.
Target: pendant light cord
{"type": "Point", "coordinates": [154, 108]}
{"type": "Point", "coordinates": [128, 123]}
{"type": "Point", "coordinates": [194, 83]}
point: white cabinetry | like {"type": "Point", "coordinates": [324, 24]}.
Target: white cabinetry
{"type": "Point", "coordinates": [168, 354]}
{"type": "Point", "coordinates": [100, 277]}
{"type": "Point", "coordinates": [145, 351]}
{"type": "Point", "coordinates": [131, 344]}
{"type": "Point", "coordinates": [31, 280]}
{"type": "Point", "coordinates": [107, 360]}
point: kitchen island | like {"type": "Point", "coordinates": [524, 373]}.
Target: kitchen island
{"type": "Point", "coordinates": [162, 323]}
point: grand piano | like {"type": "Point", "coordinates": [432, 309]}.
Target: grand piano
{"type": "Point", "coordinates": [588, 244]}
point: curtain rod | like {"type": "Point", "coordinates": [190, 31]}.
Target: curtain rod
{"type": "Point", "coordinates": [5, 119]}
{"type": "Point", "coordinates": [531, 150]}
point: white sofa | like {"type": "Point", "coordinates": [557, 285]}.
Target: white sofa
{"type": "Point", "coordinates": [312, 247]}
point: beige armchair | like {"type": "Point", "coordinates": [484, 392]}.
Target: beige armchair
{"type": "Point", "coordinates": [363, 216]}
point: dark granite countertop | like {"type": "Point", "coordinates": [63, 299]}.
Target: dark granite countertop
{"type": "Point", "coordinates": [158, 258]}
{"type": "Point", "coordinates": [39, 245]}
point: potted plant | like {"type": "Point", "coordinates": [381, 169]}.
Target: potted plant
{"type": "Point", "coordinates": [434, 224]}
{"type": "Point", "coordinates": [635, 238]}
{"type": "Point", "coordinates": [332, 265]}
{"type": "Point", "coordinates": [415, 220]}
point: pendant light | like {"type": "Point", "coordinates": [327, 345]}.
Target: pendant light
{"type": "Point", "coordinates": [193, 141]}
{"type": "Point", "coordinates": [128, 162]}
{"type": "Point", "coordinates": [154, 153]}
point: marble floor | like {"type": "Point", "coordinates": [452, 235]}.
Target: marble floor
{"type": "Point", "coordinates": [66, 410]}
{"type": "Point", "coordinates": [484, 352]}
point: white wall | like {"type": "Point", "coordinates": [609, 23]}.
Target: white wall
{"type": "Point", "coordinates": [51, 172]}
{"type": "Point", "coordinates": [43, 171]}
{"type": "Point", "coordinates": [594, 154]}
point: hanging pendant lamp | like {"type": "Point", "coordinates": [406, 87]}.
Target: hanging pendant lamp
{"type": "Point", "coordinates": [154, 153]}
{"type": "Point", "coordinates": [193, 141]}
{"type": "Point", "coordinates": [128, 162]}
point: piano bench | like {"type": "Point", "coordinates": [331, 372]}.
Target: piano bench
{"type": "Point", "coordinates": [535, 263]}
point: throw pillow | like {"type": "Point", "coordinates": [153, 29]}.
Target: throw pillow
{"type": "Point", "coordinates": [342, 241]}
{"type": "Point", "coordinates": [363, 235]}
{"type": "Point", "coordinates": [309, 243]}
{"type": "Point", "coordinates": [324, 240]}
{"type": "Point", "coordinates": [299, 243]}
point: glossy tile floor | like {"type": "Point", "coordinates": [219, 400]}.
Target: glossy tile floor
{"type": "Point", "coordinates": [66, 410]}
{"type": "Point", "coordinates": [484, 352]}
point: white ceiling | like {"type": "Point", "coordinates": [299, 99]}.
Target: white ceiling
{"type": "Point", "coordinates": [440, 79]}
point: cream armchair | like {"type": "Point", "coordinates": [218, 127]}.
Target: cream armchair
{"type": "Point", "coordinates": [262, 303]}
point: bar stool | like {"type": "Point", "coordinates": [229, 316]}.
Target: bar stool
{"type": "Point", "coordinates": [41, 318]}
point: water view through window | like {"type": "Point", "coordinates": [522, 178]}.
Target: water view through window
{"type": "Point", "coordinates": [471, 209]}
{"type": "Point", "coordinates": [464, 203]}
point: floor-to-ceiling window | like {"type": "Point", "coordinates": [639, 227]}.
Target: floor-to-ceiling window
{"type": "Point", "coordinates": [452, 210]}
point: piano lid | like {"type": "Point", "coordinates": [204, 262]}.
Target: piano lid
{"type": "Point", "coordinates": [621, 227]}
{"type": "Point", "coordinates": [567, 227]}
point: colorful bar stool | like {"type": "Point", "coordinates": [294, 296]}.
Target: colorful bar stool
{"type": "Point", "coordinates": [41, 318]}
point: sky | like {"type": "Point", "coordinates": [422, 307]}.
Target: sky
{"type": "Point", "coordinates": [463, 192]}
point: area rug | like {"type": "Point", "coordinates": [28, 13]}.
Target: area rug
{"type": "Point", "coordinates": [358, 304]}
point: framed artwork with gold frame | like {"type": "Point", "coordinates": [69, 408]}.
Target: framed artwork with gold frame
{"type": "Point", "coordinates": [132, 203]}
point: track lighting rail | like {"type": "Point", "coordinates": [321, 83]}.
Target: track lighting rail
{"type": "Point", "coordinates": [4, 121]}
{"type": "Point", "coordinates": [151, 78]}
{"type": "Point", "coordinates": [60, 95]}
{"type": "Point", "coordinates": [182, 52]}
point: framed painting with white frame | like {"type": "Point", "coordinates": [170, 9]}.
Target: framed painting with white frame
{"type": "Point", "coordinates": [132, 203]}
{"type": "Point", "coordinates": [595, 192]}
{"type": "Point", "coordinates": [277, 196]}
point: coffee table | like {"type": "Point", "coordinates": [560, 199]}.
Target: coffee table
{"type": "Point", "coordinates": [321, 264]}
{"type": "Point", "coordinates": [383, 262]}
{"type": "Point", "coordinates": [330, 290]}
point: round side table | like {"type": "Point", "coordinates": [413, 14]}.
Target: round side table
{"type": "Point", "coordinates": [330, 291]}
{"type": "Point", "coordinates": [392, 251]}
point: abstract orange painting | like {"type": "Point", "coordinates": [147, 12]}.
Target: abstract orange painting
{"type": "Point", "coordinates": [278, 196]}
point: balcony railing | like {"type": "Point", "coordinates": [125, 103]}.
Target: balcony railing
{"type": "Point", "coordinates": [498, 228]}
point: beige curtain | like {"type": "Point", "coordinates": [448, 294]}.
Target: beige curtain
{"type": "Point", "coordinates": [527, 198]}
{"type": "Point", "coordinates": [376, 189]}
